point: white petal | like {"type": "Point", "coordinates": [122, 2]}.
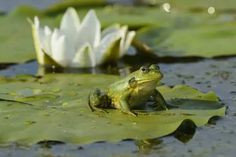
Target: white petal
{"type": "Point", "coordinates": [69, 26]}
{"type": "Point", "coordinates": [46, 40]}
{"type": "Point", "coordinates": [129, 38]}
{"type": "Point", "coordinates": [47, 30]}
{"type": "Point", "coordinates": [58, 46]}
{"type": "Point", "coordinates": [70, 22]}
{"type": "Point", "coordinates": [110, 29]}
{"type": "Point", "coordinates": [36, 22]}
{"type": "Point", "coordinates": [37, 37]}
{"type": "Point", "coordinates": [89, 31]}
{"type": "Point", "coordinates": [84, 57]}
{"type": "Point", "coordinates": [123, 31]}
{"type": "Point", "coordinates": [105, 51]}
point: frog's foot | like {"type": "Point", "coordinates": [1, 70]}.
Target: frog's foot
{"type": "Point", "coordinates": [95, 109]}
{"type": "Point", "coordinates": [130, 113]}
{"type": "Point", "coordinates": [133, 113]}
{"type": "Point", "coordinates": [97, 100]}
{"type": "Point", "coordinates": [99, 110]}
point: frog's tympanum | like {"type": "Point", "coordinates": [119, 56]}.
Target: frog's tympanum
{"type": "Point", "coordinates": [130, 92]}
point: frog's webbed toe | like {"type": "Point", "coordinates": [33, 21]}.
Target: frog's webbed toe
{"type": "Point", "coordinates": [97, 100]}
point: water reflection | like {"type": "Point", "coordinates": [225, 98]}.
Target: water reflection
{"type": "Point", "coordinates": [184, 134]}
{"type": "Point", "coordinates": [4, 66]}
{"type": "Point", "coordinates": [117, 70]}
{"type": "Point", "coordinates": [122, 67]}
{"type": "Point", "coordinates": [146, 146]}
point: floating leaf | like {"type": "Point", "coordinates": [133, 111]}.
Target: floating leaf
{"type": "Point", "coordinates": [137, 17]}
{"type": "Point", "coordinates": [16, 39]}
{"type": "Point", "coordinates": [59, 111]}
{"type": "Point", "coordinates": [203, 41]}
{"type": "Point", "coordinates": [25, 11]}
{"type": "Point", "coordinates": [61, 6]}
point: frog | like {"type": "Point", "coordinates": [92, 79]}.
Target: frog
{"type": "Point", "coordinates": [129, 92]}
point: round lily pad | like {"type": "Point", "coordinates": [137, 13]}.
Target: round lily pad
{"type": "Point", "coordinates": [202, 41]}
{"type": "Point", "coordinates": [55, 107]}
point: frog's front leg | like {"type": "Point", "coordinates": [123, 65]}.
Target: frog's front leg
{"type": "Point", "coordinates": [124, 105]}
{"type": "Point", "coordinates": [160, 101]}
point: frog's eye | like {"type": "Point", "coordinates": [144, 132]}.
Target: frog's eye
{"type": "Point", "coordinates": [144, 69]}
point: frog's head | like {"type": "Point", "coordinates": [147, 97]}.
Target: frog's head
{"type": "Point", "coordinates": [146, 77]}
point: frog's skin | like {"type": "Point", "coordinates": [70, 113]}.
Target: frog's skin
{"type": "Point", "coordinates": [130, 92]}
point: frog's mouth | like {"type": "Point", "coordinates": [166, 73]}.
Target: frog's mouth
{"type": "Point", "coordinates": [147, 81]}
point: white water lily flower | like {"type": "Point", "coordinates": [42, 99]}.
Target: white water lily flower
{"type": "Point", "coordinates": [77, 44]}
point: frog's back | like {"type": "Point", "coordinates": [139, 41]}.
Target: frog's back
{"type": "Point", "coordinates": [117, 88]}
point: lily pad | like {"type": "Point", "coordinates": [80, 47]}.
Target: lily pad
{"type": "Point", "coordinates": [203, 41]}
{"type": "Point", "coordinates": [61, 6]}
{"type": "Point", "coordinates": [16, 38]}
{"type": "Point", "coordinates": [138, 17]}
{"type": "Point", "coordinates": [55, 107]}
{"type": "Point", "coordinates": [16, 44]}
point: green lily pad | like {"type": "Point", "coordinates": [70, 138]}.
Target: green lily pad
{"type": "Point", "coordinates": [138, 17]}
{"type": "Point", "coordinates": [16, 42]}
{"type": "Point", "coordinates": [25, 11]}
{"type": "Point", "coordinates": [55, 107]}
{"type": "Point", "coordinates": [16, 38]}
{"type": "Point", "coordinates": [203, 41]}
{"type": "Point", "coordinates": [61, 6]}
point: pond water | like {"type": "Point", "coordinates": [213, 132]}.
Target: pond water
{"type": "Point", "coordinates": [215, 139]}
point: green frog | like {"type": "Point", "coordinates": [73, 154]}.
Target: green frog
{"type": "Point", "coordinates": [130, 92]}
